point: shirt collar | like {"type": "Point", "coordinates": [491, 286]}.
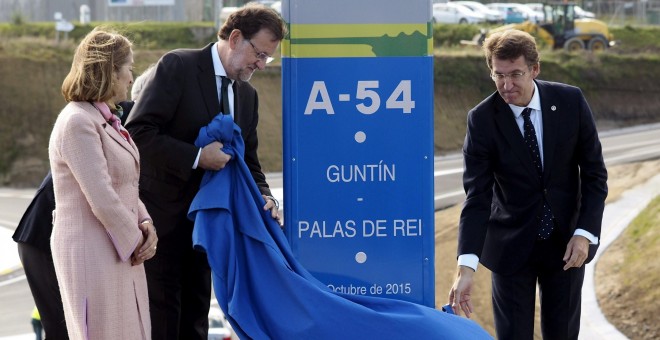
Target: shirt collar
{"type": "Point", "coordinates": [534, 104]}
{"type": "Point", "coordinates": [217, 64]}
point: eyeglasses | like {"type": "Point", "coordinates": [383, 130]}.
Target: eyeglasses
{"type": "Point", "coordinates": [513, 76]}
{"type": "Point", "coordinates": [263, 56]}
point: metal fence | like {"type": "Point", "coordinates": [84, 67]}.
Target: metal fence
{"type": "Point", "coordinates": [102, 10]}
{"type": "Point", "coordinates": [620, 12]}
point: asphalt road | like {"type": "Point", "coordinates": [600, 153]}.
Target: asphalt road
{"type": "Point", "coordinates": [15, 298]}
{"type": "Point", "coordinates": [620, 146]}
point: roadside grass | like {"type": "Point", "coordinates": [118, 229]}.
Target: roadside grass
{"type": "Point", "coordinates": [627, 277]}
{"type": "Point", "coordinates": [33, 64]}
{"type": "Point", "coordinates": [636, 39]}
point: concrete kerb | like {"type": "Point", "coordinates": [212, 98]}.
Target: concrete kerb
{"type": "Point", "coordinates": [616, 218]}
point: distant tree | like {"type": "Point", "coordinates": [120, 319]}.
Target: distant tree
{"type": "Point", "coordinates": [17, 18]}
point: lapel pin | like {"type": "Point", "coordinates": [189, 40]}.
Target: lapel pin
{"type": "Point", "coordinates": [553, 108]}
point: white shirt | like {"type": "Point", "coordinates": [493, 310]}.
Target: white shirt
{"type": "Point", "coordinates": [219, 72]}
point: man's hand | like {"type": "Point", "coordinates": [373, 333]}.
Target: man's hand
{"type": "Point", "coordinates": [459, 295]}
{"type": "Point", "coordinates": [577, 251]}
{"type": "Point", "coordinates": [274, 207]}
{"type": "Point", "coordinates": [212, 157]}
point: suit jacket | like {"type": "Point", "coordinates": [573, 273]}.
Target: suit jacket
{"type": "Point", "coordinates": [95, 227]}
{"type": "Point", "coordinates": [180, 99]}
{"type": "Point", "coordinates": [499, 221]}
{"type": "Point", "coordinates": [36, 225]}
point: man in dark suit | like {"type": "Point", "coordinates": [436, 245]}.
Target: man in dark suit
{"type": "Point", "coordinates": [33, 238]}
{"type": "Point", "coordinates": [536, 186]}
{"type": "Point", "coordinates": [183, 95]}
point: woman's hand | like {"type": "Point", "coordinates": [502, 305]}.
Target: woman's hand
{"type": "Point", "coordinates": [147, 248]}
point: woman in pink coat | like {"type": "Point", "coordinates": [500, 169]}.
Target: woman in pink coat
{"type": "Point", "coordinates": [102, 233]}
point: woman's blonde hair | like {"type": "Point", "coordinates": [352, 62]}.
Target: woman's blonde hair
{"type": "Point", "coordinates": [93, 71]}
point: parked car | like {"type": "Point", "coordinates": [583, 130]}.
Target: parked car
{"type": "Point", "coordinates": [535, 6]}
{"type": "Point", "coordinates": [266, 3]}
{"type": "Point", "coordinates": [451, 13]}
{"type": "Point", "coordinates": [277, 6]}
{"type": "Point", "coordinates": [226, 11]}
{"type": "Point", "coordinates": [528, 13]}
{"type": "Point", "coordinates": [581, 13]}
{"type": "Point", "coordinates": [511, 14]}
{"type": "Point", "coordinates": [219, 328]}
{"type": "Point", "coordinates": [492, 16]}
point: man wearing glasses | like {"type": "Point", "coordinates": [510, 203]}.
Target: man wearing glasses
{"type": "Point", "coordinates": [536, 186]}
{"type": "Point", "coordinates": [189, 88]}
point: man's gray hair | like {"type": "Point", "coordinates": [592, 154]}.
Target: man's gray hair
{"type": "Point", "coordinates": [138, 83]}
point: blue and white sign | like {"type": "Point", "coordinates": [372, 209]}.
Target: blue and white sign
{"type": "Point", "coordinates": [358, 149]}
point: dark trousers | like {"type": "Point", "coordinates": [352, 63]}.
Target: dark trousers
{"type": "Point", "coordinates": [38, 328]}
{"type": "Point", "coordinates": [40, 273]}
{"type": "Point", "coordinates": [514, 296]}
{"type": "Point", "coordinates": [179, 281]}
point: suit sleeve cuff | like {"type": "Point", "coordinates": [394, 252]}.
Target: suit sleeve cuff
{"type": "Point", "coordinates": [589, 236]}
{"type": "Point", "coordinates": [469, 260]}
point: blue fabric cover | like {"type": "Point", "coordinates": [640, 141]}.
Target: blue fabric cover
{"type": "Point", "coordinates": [263, 290]}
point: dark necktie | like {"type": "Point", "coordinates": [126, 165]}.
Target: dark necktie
{"type": "Point", "coordinates": [545, 220]}
{"type": "Point", "coordinates": [224, 95]}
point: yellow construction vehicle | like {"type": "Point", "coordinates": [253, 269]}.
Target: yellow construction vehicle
{"type": "Point", "coordinates": [560, 29]}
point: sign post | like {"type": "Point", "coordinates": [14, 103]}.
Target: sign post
{"type": "Point", "coordinates": [62, 25]}
{"type": "Point", "coordinates": [358, 144]}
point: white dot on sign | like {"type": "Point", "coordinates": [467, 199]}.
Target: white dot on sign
{"type": "Point", "coordinates": [361, 257]}
{"type": "Point", "coordinates": [360, 137]}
